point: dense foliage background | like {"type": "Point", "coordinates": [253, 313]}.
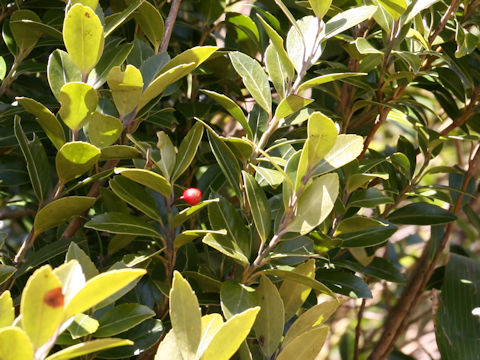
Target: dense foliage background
{"type": "Point", "coordinates": [336, 145]}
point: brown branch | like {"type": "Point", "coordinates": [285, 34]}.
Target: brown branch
{"type": "Point", "coordinates": [358, 330]}
{"type": "Point", "coordinates": [16, 214]}
{"type": "Point", "coordinates": [169, 23]}
{"type": "Point", "coordinates": [466, 115]}
{"type": "Point", "coordinates": [443, 22]}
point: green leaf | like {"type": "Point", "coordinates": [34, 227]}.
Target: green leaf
{"type": "Point", "coordinates": [421, 214]}
{"type": "Point", "coordinates": [15, 344]}
{"type": "Point", "coordinates": [315, 204]}
{"type": "Point", "coordinates": [187, 150]}
{"type": "Point", "coordinates": [49, 123]}
{"type": "Point", "coordinates": [60, 211]}
{"type": "Point", "coordinates": [82, 325]}
{"type": "Point", "coordinates": [347, 19]}
{"type": "Point", "coordinates": [310, 319]}
{"type": "Point", "coordinates": [320, 7]}
{"type": "Point", "coordinates": [276, 70]}
{"type": "Point", "coordinates": [378, 268]}
{"type": "Point", "coordinates": [236, 298]}
{"type": "Point", "coordinates": [323, 79]}
{"type": "Point", "coordinates": [254, 79]}
{"type": "Point", "coordinates": [230, 336]}
{"type": "Point", "coordinates": [78, 350]}
{"type": "Point", "coordinates": [270, 320]}
{"type": "Point", "coordinates": [25, 37]}
{"type": "Point", "coordinates": [120, 223]}
{"type": "Point", "coordinates": [117, 19]}
{"type": "Point", "coordinates": [74, 159]}
{"type": "Point", "coordinates": [294, 294]}
{"type": "Point", "coordinates": [136, 195]}
{"type": "Point", "coordinates": [79, 102]}
{"type": "Point", "coordinates": [151, 22]}
{"type": "Point", "coordinates": [76, 253]}
{"type": "Point", "coordinates": [306, 346]}
{"type": "Point", "coordinates": [119, 152]}
{"type": "Point", "coordinates": [346, 149]}
{"type": "Point", "coordinates": [259, 206]}
{"type": "Point", "coordinates": [290, 105]}
{"type": "Point", "coordinates": [345, 283]}
{"type": "Point", "coordinates": [92, 4]}
{"type": "Point", "coordinates": [304, 45]}
{"type": "Point", "coordinates": [112, 56]}
{"type": "Point", "coordinates": [226, 160]}
{"type": "Point", "coordinates": [104, 130]}
{"type": "Point", "coordinates": [322, 136]}
{"type": "Point", "coordinates": [211, 323]}
{"type": "Point", "coordinates": [419, 6]}
{"type": "Point", "coordinates": [6, 271]}
{"type": "Point", "coordinates": [3, 68]}
{"type": "Point", "coordinates": [232, 108]}
{"type": "Point", "coordinates": [168, 156]}
{"type": "Point", "coordinates": [457, 315]}
{"type": "Point", "coordinates": [187, 213]}
{"type": "Point", "coordinates": [32, 27]}
{"type": "Point", "coordinates": [126, 87]}
{"type": "Point", "coordinates": [41, 306]}
{"type": "Point", "coordinates": [168, 348]}
{"type": "Point", "coordinates": [122, 318]}
{"type": "Point", "coordinates": [197, 54]}
{"type": "Point", "coordinates": [189, 235]}
{"type": "Point", "coordinates": [272, 177]}
{"type": "Point", "coordinates": [147, 178]}
{"type": "Point", "coordinates": [83, 37]}
{"type": "Point", "coordinates": [395, 8]}
{"type": "Point", "coordinates": [358, 231]}
{"type": "Point", "coordinates": [369, 198]}
{"type": "Point", "coordinates": [185, 316]}
{"type": "Point", "coordinates": [37, 162]}
{"type": "Point", "coordinates": [7, 312]}
{"type": "Point", "coordinates": [99, 288]}
{"type": "Point", "coordinates": [223, 215]}
{"type": "Point", "coordinates": [226, 246]}
{"type": "Point", "coordinates": [61, 70]}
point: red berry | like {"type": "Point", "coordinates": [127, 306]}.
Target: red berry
{"type": "Point", "coordinates": [192, 196]}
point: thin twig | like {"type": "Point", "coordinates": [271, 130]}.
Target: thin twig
{"type": "Point", "coordinates": [169, 24]}
{"type": "Point", "coordinates": [358, 330]}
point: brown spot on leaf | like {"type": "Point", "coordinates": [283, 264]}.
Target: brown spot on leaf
{"type": "Point", "coordinates": [54, 297]}
{"type": "Point", "coordinates": [87, 15]}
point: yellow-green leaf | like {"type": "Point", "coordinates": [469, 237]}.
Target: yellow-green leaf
{"type": "Point", "coordinates": [7, 313]}
{"type": "Point", "coordinates": [395, 8]}
{"type": "Point", "coordinates": [290, 105]}
{"type": "Point", "coordinates": [15, 344]}
{"type": "Point", "coordinates": [147, 178]}
{"type": "Point", "coordinates": [104, 130]}
{"type": "Point", "coordinates": [322, 135]}
{"type": "Point", "coordinates": [83, 37]}
{"type": "Point", "coordinates": [76, 253]}
{"type": "Point", "coordinates": [293, 293]}
{"type": "Point", "coordinates": [196, 55]}
{"type": "Point", "coordinates": [126, 87]}
{"type": "Point", "coordinates": [259, 206]}
{"type": "Point", "coordinates": [78, 350]}
{"type": "Point", "coordinates": [168, 348]}
{"type": "Point", "coordinates": [151, 22]}
{"type": "Point", "coordinates": [320, 7]}
{"type": "Point", "coordinates": [79, 102]}
{"type": "Point", "coordinates": [271, 318]}
{"type": "Point", "coordinates": [101, 287]}
{"type": "Point", "coordinates": [74, 159]}
{"type": "Point", "coordinates": [42, 306]}
{"type": "Point", "coordinates": [230, 336]}
{"type": "Point", "coordinates": [211, 323]}
{"type": "Point", "coordinates": [185, 316]}
{"type": "Point", "coordinates": [60, 211]}
{"type": "Point", "coordinates": [24, 36]}
{"type": "Point", "coordinates": [306, 346]}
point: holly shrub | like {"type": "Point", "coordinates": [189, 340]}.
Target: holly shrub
{"type": "Point", "coordinates": [223, 179]}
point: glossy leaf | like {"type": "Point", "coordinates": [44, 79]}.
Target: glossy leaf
{"type": "Point", "coordinates": [259, 206]}
{"type": "Point", "coordinates": [76, 253]}
{"type": "Point", "coordinates": [254, 79]}
{"type": "Point", "coordinates": [323, 79]}
{"type": "Point", "coordinates": [395, 8]}
{"type": "Point", "coordinates": [369, 198]}
{"type": "Point", "coordinates": [347, 19]}
{"type": "Point", "coordinates": [79, 102]}
{"type": "Point", "coordinates": [236, 298]}
{"type": "Point", "coordinates": [168, 156]}
{"type": "Point", "coordinates": [118, 19]}
{"type": "Point", "coordinates": [185, 316]}
{"type": "Point", "coordinates": [147, 178]}
{"type": "Point", "coordinates": [310, 319]}
{"type": "Point", "coordinates": [111, 57]}
{"type": "Point", "coordinates": [315, 204]}
{"type": "Point", "coordinates": [276, 70]}
{"type": "Point", "coordinates": [187, 150]}
{"type": "Point", "coordinates": [290, 105]}
{"type": "Point", "coordinates": [345, 283]}
{"type": "Point", "coordinates": [305, 346]}
{"type": "Point", "coordinates": [41, 306]}
{"type": "Point", "coordinates": [151, 22]}
{"type": "Point", "coordinates": [37, 162]}
{"type": "Point", "coordinates": [15, 344]}
{"type": "Point", "coordinates": [78, 350]}
{"type": "Point", "coordinates": [357, 231]}
{"type": "Point", "coordinates": [74, 159]}
{"type": "Point", "coordinates": [320, 7]}
{"type": "Point", "coordinates": [421, 214]}
{"type": "Point", "coordinates": [119, 152]}
{"type": "Point", "coordinates": [168, 348]}
{"type": "Point", "coordinates": [82, 325]}
{"type": "Point", "coordinates": [122, 318]}
{"type": "Point", "coordinates": [7, 312]}
{"type": "Point", "coordinates": [60, 211]}
{"type": "Point", "coordinates": [25, 37]}
{"type": "Point", "coordinates": [294, 294]}
{"type": "Point", "coordinates": [187, 213]}
{"type": "Point", "coordinates": [226, 246]}
{"type": "Point", "coordinates": [104, 130]}
{"type": "Point", "coordinates": [121, 223]}
{"type": "Point", "coordinates": [61, 70]}
{"type": "Point", "coordinates": [83, 37]}
{"type": "Point", "coordinates": [99, 288]}
{"type": "Point", "coordinates": [49, 123]}
{"type": "Point", "coordinates": [300, 279]}
{"type": "Point", "coordinates": [232, 108]}
{"type": "Point", "coordinates": [126, 87]}
{"type": "Point", "coordinates": [188, 236]}
{"type": "Point", "coordinates": [6, 272]}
